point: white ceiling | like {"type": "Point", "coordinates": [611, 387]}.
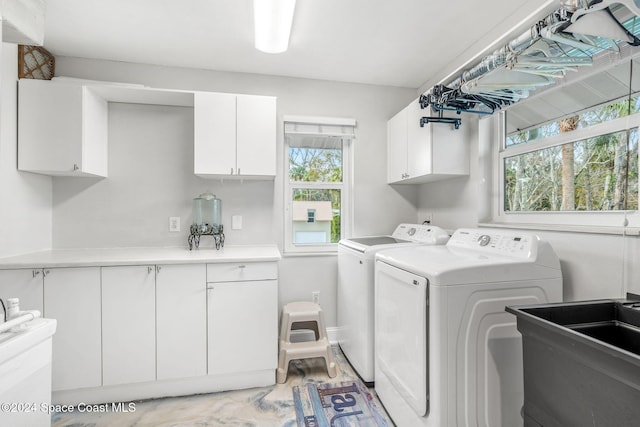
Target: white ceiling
{"type": "Point", "coordinates": [406, 43]}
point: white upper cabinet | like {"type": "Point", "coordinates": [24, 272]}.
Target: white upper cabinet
{"type": "Point", "coordinates": [256, 135]}
{"type": "Point", "coordinates": [62, 129]}
{"type": "Point", "coordinates": [418, 154]}
{"type": "Point", "coordinates": [397, 147]}
{"type": "Point", "coordinates": [234, 135]}
{"type": "Point", "coordinates": [214, 133]}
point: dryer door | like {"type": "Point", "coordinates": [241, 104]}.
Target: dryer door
{"type": "Point", "coordinates": [355, 309]}
{"type": "Point", "coordinates": [401, 333]}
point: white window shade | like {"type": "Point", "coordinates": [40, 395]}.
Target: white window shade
{"type": "Point", "coordinates": [319, 126]}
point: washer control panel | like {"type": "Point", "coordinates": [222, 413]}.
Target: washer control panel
{"type": "Point", "coordinates": [421, 233]}
{"type": "Point", "coordinates": [522, 245]}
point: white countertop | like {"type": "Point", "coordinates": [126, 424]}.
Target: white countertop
{"type": "Point", "coordinates": [139, 256]}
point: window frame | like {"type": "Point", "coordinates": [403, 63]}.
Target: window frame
{"type": "Point", "coordinates": [613, 221]}
{"type": "Point", "coordinates": [324, 124]}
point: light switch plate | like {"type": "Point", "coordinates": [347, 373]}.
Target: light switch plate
{"type": "Point", "coordinates": [236, 222]}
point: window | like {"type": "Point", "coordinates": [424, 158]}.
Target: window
{"type": "Point", "coordinates": [311, 215]}
{"type": "Point", "coordinates": [317, 182]}
{"type": "Point", "coordinates": [579, 168]}
{"type": "Point", "coordinates": [594, 170]}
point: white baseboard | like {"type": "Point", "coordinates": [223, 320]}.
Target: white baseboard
{"type": "Point", "coordinates": [308, 335]}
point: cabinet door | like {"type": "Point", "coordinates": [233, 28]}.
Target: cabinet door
{"type": "Point", "coordinates": [181, 319]}
{"type": "Point", "coordinates": [450, 150]}
{"type": "Point", "coordinates": [25, 284]}
{"type": "Point", "coordinates": [62, 129]}
{"type": "Point", "coordinates": [214, 133]}
{"type": "Point", "coordinates": [419, 160]}
{"type": "Point", "coordinates": [397, 147]}
{"type": "Point", "coordinates": [49, 126]}
{"type": "Point", "coordinates": [243, 326]}
{"type": "Point", "coordinates": [128, 324]}
{"type": "Point", "coordinates": [72, 297]}
{"type": "Point", "coordinates": [256, 135]}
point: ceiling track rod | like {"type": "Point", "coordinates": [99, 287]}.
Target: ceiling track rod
{"type": "Point", "coordinates": [543, 50]}
{"type": "Point", "coordinates": [516, 46]}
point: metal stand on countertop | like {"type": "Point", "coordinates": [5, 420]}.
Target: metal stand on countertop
{"type": "Point", "coordinates": [216, 231]}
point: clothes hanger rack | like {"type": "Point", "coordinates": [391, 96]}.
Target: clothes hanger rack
{"type": "Point", "coordinates": [563, 41]}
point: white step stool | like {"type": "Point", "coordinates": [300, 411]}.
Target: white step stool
{"type": "Point", "coordinates": [303, 315]}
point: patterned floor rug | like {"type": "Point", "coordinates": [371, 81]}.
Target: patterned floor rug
{"type": "Point", "coordinates": [343, 404]}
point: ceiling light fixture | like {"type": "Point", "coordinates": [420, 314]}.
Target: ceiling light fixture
{"type": "Point", "coordinates": [272, 23]}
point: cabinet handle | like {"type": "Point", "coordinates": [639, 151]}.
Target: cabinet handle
{"type": "Point", "coordinates": [75, 167]}
{"type": "Point", "coordinates": [238, 171]}
{"type": "Point", "coordinates": [231, 171]}
{"type": "Point", "coordinates": [149, 270]}
{"type": "Point", "coordinates": [242, 266]}
{"type": "Point", "coordinates": [45, 273]}
{"type": "Point", "coordinates": [35, 273]}
{"type": "Point", "coordinates": [158, 268]}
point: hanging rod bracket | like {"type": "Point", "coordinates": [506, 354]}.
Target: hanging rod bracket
{"type": "Point", "coordinates": [456, 122]}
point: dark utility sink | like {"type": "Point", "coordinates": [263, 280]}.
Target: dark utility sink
{"type": "Point", "coordinates": [581, 363]}
{"type": "Point", "coordinates": [616, 323]}
{"type": "Point", "coordinates": [621, 335]}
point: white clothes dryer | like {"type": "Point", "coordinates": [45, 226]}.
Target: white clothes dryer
{"type": "Point", "coordinates": [356, 288]}
{"type": "Point", "coordinates": [446, 352]}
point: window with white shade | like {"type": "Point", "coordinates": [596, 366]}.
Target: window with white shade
{"type": "Point", "coordinates": [317, 182]}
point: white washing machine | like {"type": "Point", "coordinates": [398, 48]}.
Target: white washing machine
{"type": "Point", "coordinates": [446, 352]}
{"type": "Point", "coordinates": [356, 288]}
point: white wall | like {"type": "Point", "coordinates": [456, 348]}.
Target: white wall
{"type": "Point", "coordinates": [151, 164]}
{"type": "Point", "coordinates": [25, 198]}
{"type": "Point", "coordinates": [150, 180]}
{"type": "Point", "coordinates": [593, 265]}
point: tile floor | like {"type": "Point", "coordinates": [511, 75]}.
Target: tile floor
{"type": "Point", "coordinates": [261, 407]}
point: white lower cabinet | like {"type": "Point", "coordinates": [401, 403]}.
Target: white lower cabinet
{"type": "Point", "coordinates": [25, 284]}
{"type": "Point", "coordinates": [135, 332]}
{"type": "Point", "coordinates": [243, 318]}
{"type": "Point", "coordinates": [72, 297]}
{"type": "Point", "coordinates": [181, 321]}
{"type": "Point", "coordinates": [128, 324]}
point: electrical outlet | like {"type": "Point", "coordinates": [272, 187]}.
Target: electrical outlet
{"type": "Point", "coordinates": [428, 218]}
{"type": "Point", "coordinates": [174, 223]}
{"type": "Point", "coordinates": [236, 222]}
{"type": "Point", "coordinates": [315, 297]}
